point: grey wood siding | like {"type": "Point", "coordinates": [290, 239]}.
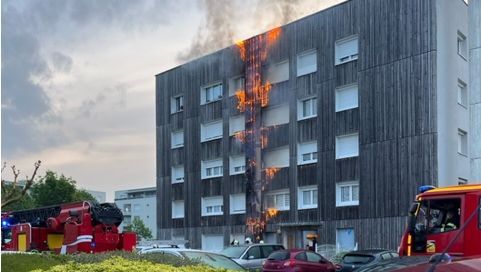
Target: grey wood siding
{"type": "Point", "coordinates": [396, 121]}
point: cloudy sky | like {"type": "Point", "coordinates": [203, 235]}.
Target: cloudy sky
{"type": "Point", "coordinates": [78, 83]}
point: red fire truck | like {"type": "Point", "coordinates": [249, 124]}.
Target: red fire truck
{"type": "Point", "coordinates": [67, 228]}
{"type": "Point", "coordinates": [442, 219]}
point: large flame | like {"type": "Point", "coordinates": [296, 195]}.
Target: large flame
{"type": "Point", "coordinates": [242, 49]}
{"type": "Point", "coordinates": [271, 212]}
{"type": "Point", "coordinates": [271, 172]}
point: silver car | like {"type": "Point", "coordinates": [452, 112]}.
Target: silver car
{"type": "Point", "coordinates": [250, 256]}
{"type": "Point", "coordinates": [211, 259]}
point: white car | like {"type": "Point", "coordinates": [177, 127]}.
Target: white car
{"type": "Point", "coordinates": [211, 259]}
{"type": "Point", "coordinates": [251, 256]}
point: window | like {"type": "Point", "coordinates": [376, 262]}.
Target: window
{"type": "Point", "coordinates": [462, 93]}
{"type": "Point", "coordinates": [237, 165]}
{"type": "Point", "coordinates": [178, 209]}
{"type": "Point", "coordinates": [211, 169]}
{"type": "Point", "coordinates": [277, 158]}
{"type": "Point", "coordinates": [236, 84]}
{"type": "Point", "coordinates": [211, 93]}
{"type": "Point", "coordinates": [278, 200]}
{"type": "Point", "coordinates": [347, 146]}
{"type": "Point", "coordinates": [237, 203]}
{"type": "Point", "coordinates": [462, 142]}
{"type": "Point", "coordinates": [236, 124]}
{"type": "Point", "coordinates": [301, 257]}
{"type": "Point", "coordinates": [438, 215]}
{"type": "Point", "coordinates": [210, 243]}
{"type": "Point", "coordinates": [275, 115]}
{"type": "Point", "coordinates": [253, 253]}
{"type": "Point", "coordinates": [462, 45]}
{"type": "Point", "coordinates": [307, 197]}
{"type": "Point", "coordinates": [127, 220]}
{"type": "Point", "coordinates": [307, 153]}
{"type": "Point", "coordinates": [177, 104]}
{"type": "Point", "coordinates": [307, 63]}
{"type": "Point", "coordinates": [278, 72]}
{"type": "Point", "coordinates": [212, 206]}
{"type": "Point", "coordinates": [347, 193]}
{"type": "Point", "coordinates": [211, 131]}
{"type": "Point", "coordinates": [347, 49]}
{"type": "Point", "coordinates": [307, 108]}
{"type": "Point", "coordinates": [127, 207]}
{"type": "Point", "coordinates": [313, 257]}
{"type": "Point", "coordinates": [178, 174]}
{"type": "Point", "coordinates": [177, 139]}
{"type": "Point", "coordinates": [346, 97]}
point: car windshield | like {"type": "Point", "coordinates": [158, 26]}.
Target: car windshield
{"type": "Point", "coordinates": [211, 259]}
{"type": "Point", "coordinates": [234, 252]}
{"type": "Point", "coordinates": [279, 256]}
{"type": "Point", "coordinates": [357, 259]}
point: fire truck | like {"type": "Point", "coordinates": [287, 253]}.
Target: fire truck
{"type": "Point", "coordinates": [67, 228]}
{"type": "Point", "coordinates": [444, 220]}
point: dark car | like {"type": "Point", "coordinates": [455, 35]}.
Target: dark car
{"type": "Point", "coordinates": [297, 260]}
{"type": "Point", "coordinates": [357, 259]}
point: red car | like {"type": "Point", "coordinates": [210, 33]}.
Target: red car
{"type": "Point", "coordinates": [299, 260]}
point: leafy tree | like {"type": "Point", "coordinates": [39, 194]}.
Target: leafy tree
{"type": "Point", "coordinates": [139, 227]}
{"type": "Point", "coordinates": [12, 194]}
{"type": "Point", "coordinates": [25, 202]}
{"type": "Point", "coordinates": [54, 189]}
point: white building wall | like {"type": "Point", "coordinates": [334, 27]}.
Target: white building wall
{"type": "Point", "coordinates": [146, 208]}
{"type": "Point", "coordinates": [451, 115]}
{"type": "Point", "coordinates": [474, 88]}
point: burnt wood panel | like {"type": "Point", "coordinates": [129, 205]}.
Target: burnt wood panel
{"type": "Point", "coordinates": [276, 136]}
{"type": "Point", "coordinates": [279, 181]}
{"type": "Point", "coordinates": [307, 174]}
{"type": "Point", "coordinates": [211, 187]}
{"type": "Point", "coordinates": [236, 147]}
{"type": "Point", "coordinates": [211, 150]}
{"type": "Point", "coordinates": [178, 191]}
{"type": "Point", "coordinates": [347, 122]}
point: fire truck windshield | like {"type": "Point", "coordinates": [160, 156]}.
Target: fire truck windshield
{"type": "Point", "coordinates": [6, 235]}
{"type": "Point", "coordinates": [438, 215]}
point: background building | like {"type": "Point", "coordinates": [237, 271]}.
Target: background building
{"type": "Point", "coordinates": [369, 101]}
{"type": "Point", "coordinates": [138, 203]}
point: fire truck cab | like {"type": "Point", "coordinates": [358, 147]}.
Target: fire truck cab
{"type": "Point", "coordinates": [439, 216]}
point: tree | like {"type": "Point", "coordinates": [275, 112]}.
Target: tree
{"type": "Point", "coordinates": [139, 227]}
{"type": "Point", "coordinates": [82, 195]}
{"type": "Point", "coordinates": [13, 193]}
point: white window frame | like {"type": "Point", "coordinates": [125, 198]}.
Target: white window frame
{"type": "Point", "coordinates": [353, 154]}
{"type": "Point", "coordinates": [216, 208]}
{"type": "Point", "coordinates": [312, 106]}
{"type": "Point", "coordinates": [204, 127]}
{"type": "Point", "coordinates": [312, 153]}
{"type": "Point", "coordinates": [345, 59]}
{"type": "Point", "coordinates": [462, 45]}
{"type": "Point", "coordinates": [351, 201]}
{"type": "Point", "coordinates": [178, 202]}
{"type": "Point", "coordinates": [172, 143]}
{"type": "Point", "coordinates": [177, 178]}
{"type": "Point", "coordinates": [301, 71]}
{"type": "Point", "coordinates": [232, 199]}
{"type": "Point", "coordinates": [346, 88]}
{"type": "Point", "coordinates": [462, 142]}
{"type": "Point", "coordinates": [234, 121]}
{"type": "Point", "coordinates": [300, 197]}
{"type": "Point", "coordinates": [206, 90]}
{"type": "Point", "coordinates": [214, 166]}
{"type": "Point", "coordinates": [279, 196]}
{"type": "Point", "coordinates": [235, 84]}
{"type": "Point", "coordinates": [235, 167]}
{"type": "Point", "coordinates": [273, 74]}
{"type": "Point", "coordinates": [173, 106]}
{"type": "Point", "coordinates": [462, 93]}
{"type": "Point", "coordinates": [278, 157]}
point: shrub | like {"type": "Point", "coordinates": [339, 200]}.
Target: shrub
{"type": "Point", "coordinates": [119, 264]}
{"type": "Point", "coordinates": [28, 262]}
{"type": "Point", "coordinates": [152, 257]}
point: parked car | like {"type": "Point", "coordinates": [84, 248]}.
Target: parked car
{"type": "Point", "coordinates": [299, 260]}
{"type": "Point", "coordinates": [211, 259]}
{"type": "Point", "coordinates": [250, 256]}
{"type": "Point", "coordinates": [357, 259]}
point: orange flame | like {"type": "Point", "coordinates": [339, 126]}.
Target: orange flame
{"type": "Point", "coordinates": [271, 212]}
{"type": "Point", "coordinates": [271, 172]}
{"type": "Point", "coordinates": [273, 35]}
{"type": "Point", "coordinates": [242, 49]}
{"type": "Point", "coordinates": [241, 97]}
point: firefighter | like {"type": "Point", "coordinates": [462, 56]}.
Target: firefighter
{"type": "Point", "coordinates": [451, 222]}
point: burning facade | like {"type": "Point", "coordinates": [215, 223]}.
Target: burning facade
{"type": "Point", "coordinates": [314, 127]}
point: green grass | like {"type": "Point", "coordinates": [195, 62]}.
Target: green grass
{"type": "Point", "coordinates": [29, 262]}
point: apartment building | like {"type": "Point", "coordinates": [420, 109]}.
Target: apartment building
{"type": "Point", "coordinates": [139, 203]}
{"type": "Point", "coordinates": [369, 100]}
